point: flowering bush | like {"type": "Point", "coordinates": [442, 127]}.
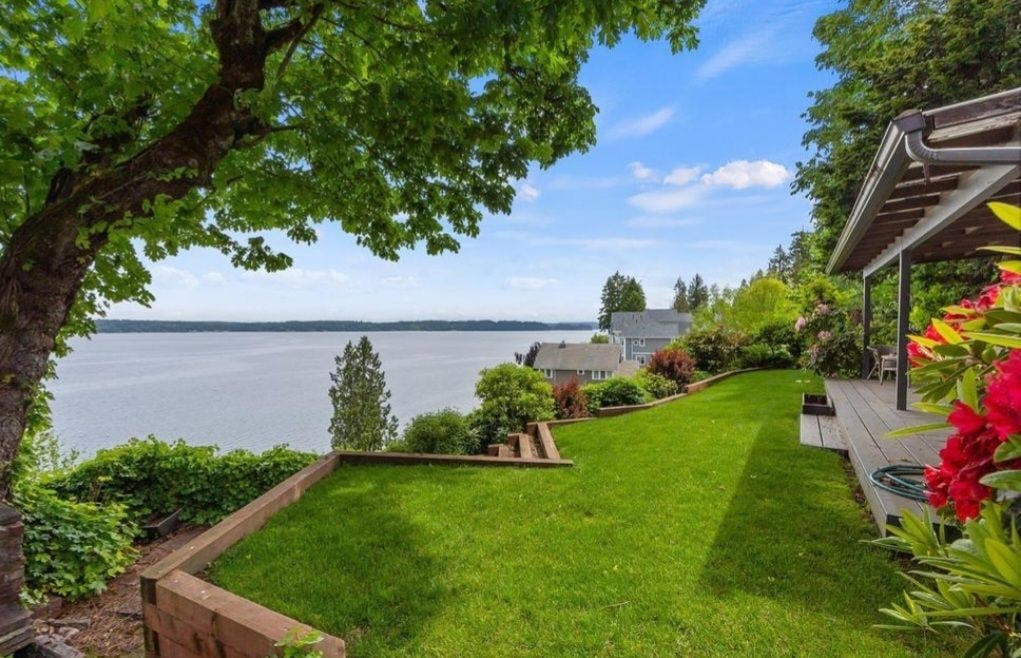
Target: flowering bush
{"type": "Point", "coordinates": [714, 350]}
{"type": "Point", "coordinates": [657, 386]}
{"type": "Point", "coordinates": [832, 336]}
{"type": "Point", "coordinates": [967, 367]}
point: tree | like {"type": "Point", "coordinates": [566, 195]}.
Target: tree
{"type": "Point", "coordinates": [143, 129]}
{"type": "Point", "coordinates": [510, 396]}
{"type": "Point", "coordinates": [620, 293]}
{"type": "Point", "coordinates": [361, 408]}
{"type": "Point", "coordinates": [698, 293]}
{"type": "Point", "coordinates": [889, 57]}
{"type": "Point", "coordinates": [528, 358]}
{"type": "Point", "coordinates": [762, 302]}
{"type": "Point", "coordinates": [680, 296]}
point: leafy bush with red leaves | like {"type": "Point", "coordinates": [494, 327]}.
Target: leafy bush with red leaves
{"type": "Point", "coordinates": [673, 363]}
{"type": "Point", "coordinates": [571, 401]}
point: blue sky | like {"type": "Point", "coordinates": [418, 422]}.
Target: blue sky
{"type": "Point", "coordinates": [691, 174]}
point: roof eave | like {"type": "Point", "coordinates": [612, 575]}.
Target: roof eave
{"type": "Point", "coordinates": [886, 170]}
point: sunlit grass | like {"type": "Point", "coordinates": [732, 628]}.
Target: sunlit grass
{"type": "Point", "coordinates": [699, 528]}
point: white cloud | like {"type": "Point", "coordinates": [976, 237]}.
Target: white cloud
{"type": "Point", "coordinates": [641, 172]}
{"type": "Point", "coordinates": [214, 279]}
{"type": "Point", "coordinates": [529, 282]}
{"type": "Point", "coordinates": [643, 125]}
{"type": "Point", "coordinates": [296, 277]}
{"type": "Point", "coordinates": [682, 175]}
{"type": "Point", "coordinates": [668, 200]}
{"type": "Point", "coordinates": [172, 277]}
{"type": "Point", "coordinates": [749, 49]}
{"type": "Point", "coordinates": [401, 282]}
{"type": "Point", "coordinates": [740, 174]}
{"type": "Point", "coordinates": [528, 192]}
{"type": "Point", "coordinates": [663, 222]}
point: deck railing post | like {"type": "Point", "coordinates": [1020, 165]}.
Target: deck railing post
{"type": "Point", "coordinates": [866, 324]}
{"type": "Point", "coordinates": [903, 313]}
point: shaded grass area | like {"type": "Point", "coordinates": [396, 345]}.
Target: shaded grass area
{"type": "Point", "coordinates": [698, 528]}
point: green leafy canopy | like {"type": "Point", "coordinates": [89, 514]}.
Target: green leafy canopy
{"type": "Point", "coordinates": [401, 121]}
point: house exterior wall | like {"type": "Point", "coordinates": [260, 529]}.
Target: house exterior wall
{"type": "Point", "coordinates": [561, 377]}
{"type": "Point", "coordinates": [640, 349]}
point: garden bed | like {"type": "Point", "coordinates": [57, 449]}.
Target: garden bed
{"type": "Point", "coordinates": [679, 532]}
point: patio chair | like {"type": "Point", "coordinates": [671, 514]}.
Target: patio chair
{"type": "Point", "coordinates": [887, 363]}
{"type": "Point", "coordinates": [879, 354]}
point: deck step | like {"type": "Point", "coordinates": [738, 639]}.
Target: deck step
{"type": "Point", "coordinates": [823, 432]}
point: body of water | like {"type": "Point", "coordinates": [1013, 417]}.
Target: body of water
{"type": "Point", "coordinates": [255, 390]}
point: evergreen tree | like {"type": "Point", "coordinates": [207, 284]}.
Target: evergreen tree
{"type": "Point", "coordinates": [620, 293]}
{"type": "Point", "coordinates": [680, 296]}
{"type": "Point", "coordinates": [361, 408]}
{"type": "Point", "coordinates": [698, 293]}
{"type": "Point", "coordinates": [780, 264]}
{"type": "Point", "coordinates": [632, 297]}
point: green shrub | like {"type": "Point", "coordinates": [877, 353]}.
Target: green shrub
{"type": "Point", "coordinates": [699, 375]}
{"type": "Point", "coordinates": [510, 396]}
{"type": "Point", "coordinates": [71, 549]}
{"type": "Point", "coordinates": [656, 385]}
{"type": "Point", "coordinates": [444, 432]}
{"type": "Point", "coordinates": [714, 350]}
{"type": "Point", "coordinates": [759, 355]}
{"type": "Point", "coordinates": [614, 392]}
{"type": "Point", "coordinates": [782, 335]}
{"type": "Point", "coordinates": [150, 476]}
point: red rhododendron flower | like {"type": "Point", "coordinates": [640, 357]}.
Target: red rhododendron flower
{"type": "Point", "coordinates": [917, 354]}
{"type": "Point", "coordinates": [1003, 396]}
{"type": "Point", "coordinates": [988, 298]}
{"type": "Point", "coordinates": [966, 420]}
{"type": "Point", "coordinates": [937, 483]}
{"type": "Point", "coordinates": [1010, 278]}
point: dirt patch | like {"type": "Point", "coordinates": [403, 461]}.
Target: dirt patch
{"type": "Point", "coordinates": [114, 617]}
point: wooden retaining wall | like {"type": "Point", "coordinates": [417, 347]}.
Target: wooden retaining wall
{"type": "Point", "coordinates": [15, 621]}
{"type": "Point", "coordinates": [187, 617]}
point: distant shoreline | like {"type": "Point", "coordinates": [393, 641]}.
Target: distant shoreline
{"type": "Point", "coordinates": [104, 326]}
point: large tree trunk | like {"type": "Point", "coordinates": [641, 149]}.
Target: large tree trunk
{"type": "Point", "coordinates": [43, 265]}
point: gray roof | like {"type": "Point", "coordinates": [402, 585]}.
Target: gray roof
{"type": "Point", "coordinates": [628, 368]}
{"type": "Point", "coordinates": [650, 323]}
{"type": "Point", "coordinates": [577, 356]}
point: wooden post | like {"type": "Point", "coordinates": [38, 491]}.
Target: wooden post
{"type": "Point", "coordinates": [903, 313]}
{"type": "Point", "coordinates": [866, 323]}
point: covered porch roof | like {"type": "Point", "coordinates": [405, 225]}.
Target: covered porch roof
{"type": "Point", "coordinates": [928, 184]}
{"type": "Point", "coordinates": [923, 200]}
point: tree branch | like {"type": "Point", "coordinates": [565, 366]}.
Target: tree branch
{"type": "Point", "coordinates": [317, 11]}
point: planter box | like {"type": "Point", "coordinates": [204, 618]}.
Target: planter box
{"type": "Point", "coordinates": [161, 525]}
{"type": "Point", "coordinates": [816, 405]}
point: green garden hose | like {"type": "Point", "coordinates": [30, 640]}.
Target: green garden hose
{"type": "Point", "coordinates": [902, 479]}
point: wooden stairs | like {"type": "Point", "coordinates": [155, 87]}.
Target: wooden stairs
{"type": "Point", "coordinates": [535, 443]}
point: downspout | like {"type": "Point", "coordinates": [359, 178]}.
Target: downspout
{"type": "Point", "coordinates": [913, 126]}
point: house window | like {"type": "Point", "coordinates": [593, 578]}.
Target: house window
{"type": "Point", "coordinates": [599, 375]}
{"type": "Point", "coordinates": [641, 359]}
{"type": "Point", "coordinates": [548, 372]}
{"type": "Point", "coordinates": [581, 372]}
{"type": "Point", "coordinates": [640, 342]}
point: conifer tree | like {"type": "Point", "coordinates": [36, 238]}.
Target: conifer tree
{"type": "Point", "coordinates": [361, 407]}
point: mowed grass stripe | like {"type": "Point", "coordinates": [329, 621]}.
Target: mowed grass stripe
{"type": "Point", "coordinates": [698, 528]}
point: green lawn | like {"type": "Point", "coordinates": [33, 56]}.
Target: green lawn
{"type": "Point", "coordinates": [699, 528]}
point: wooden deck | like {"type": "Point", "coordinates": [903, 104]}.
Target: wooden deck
{"type": "Point", "coordinates": [865, 412]}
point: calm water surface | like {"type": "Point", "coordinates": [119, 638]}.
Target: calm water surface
{"type": "Point", "coordinates": [255, 390]}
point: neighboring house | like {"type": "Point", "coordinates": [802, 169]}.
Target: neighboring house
{"type": "Point", "coordinates": [586, 362]}
{"type": "Point", "coordinates": [639, 334]}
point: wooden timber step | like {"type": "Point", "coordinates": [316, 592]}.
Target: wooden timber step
{"type": "Point", "coordinates": [535, 443]}
{"type": "Point", "coordinates": [823, 432]}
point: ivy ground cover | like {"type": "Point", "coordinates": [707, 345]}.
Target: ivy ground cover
{"type": "Point", "coordinates": [698, 528]}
